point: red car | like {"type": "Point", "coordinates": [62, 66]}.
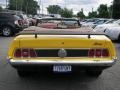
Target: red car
{"type": "Point", "coordinates": [48, 25]}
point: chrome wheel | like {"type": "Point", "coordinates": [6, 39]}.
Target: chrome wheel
{"type": "Point", "coordinates": [6, 31]}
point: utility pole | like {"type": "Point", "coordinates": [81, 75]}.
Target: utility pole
{"type": "Point", "coordinates": [16, 5]}
{"type": "Point", "coordinates": [42, 8]}
{"type": "Point", "coordinates": [21, 5]}
{"type": "Point", "coordinates": [56, 2]}
{"type": "Point", "coordinates": [39, 6]}
{"type": "Point", "coordinates": [6, 4]}
{"type": "Point", "coordinates": [65, 3]}
{"type": "Point", "coordinates": [112, 10]}
{"type": "Point", "coordinates": [92, 9]}
{"type": "Point", "coordinates": [27, 7]}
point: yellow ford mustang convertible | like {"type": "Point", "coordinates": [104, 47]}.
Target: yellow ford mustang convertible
{"type": "Point", "coordinates": [61, 51]}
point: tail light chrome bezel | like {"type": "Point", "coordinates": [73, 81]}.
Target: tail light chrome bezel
{"type": "Point", "coordinates": [24, 51]}
{"type": "Point", "coordinates": [98, 53]}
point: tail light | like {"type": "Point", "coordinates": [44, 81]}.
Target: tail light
{"type": "Point", "coordinates": [18, 53]}
{"type": "Point", "coordinates": [25, 53]}
{"type": "Point", "coordinates": [105, 53]}
{"type": "Point", "coordinates": [91, 53]}
{"type": "Point", "coordinates": [98, 53]}
{"type": "Point", "coordinates": [32, 53]}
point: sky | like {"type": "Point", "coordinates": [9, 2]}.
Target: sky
{"type": "Point", "coordinates": [75, 5]}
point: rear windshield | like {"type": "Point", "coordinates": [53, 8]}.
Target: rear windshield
{"type": "Point", "coordinates": [60, 23]}
{"type": "Point", "coordinates": [17, 17]}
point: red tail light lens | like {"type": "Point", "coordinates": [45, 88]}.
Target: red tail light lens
{"type": "Point", "coordinates": [105, 53]}
{"type": "Point", "coordinates": [91, 53]}
{"type": "Point", "coordinates": [25, 53]}
{"type": "Point", "coordinates": [18, 53]}
{"type": "Point", "coordinates": [98, 52]}
{"type": "Point", "coordinates": [32, 53]}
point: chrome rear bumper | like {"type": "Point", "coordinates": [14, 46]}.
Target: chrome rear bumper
{"type": "Point", "coordinates": [70, 62]}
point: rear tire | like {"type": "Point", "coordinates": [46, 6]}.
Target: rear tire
{"type": "Point", "coordinates": [22, 73]}
{"type": "Point", "coordinates": [119, 37]}
{"type": "Point", "coordinates": [7, 31]}
{"type": "Point", "coordinates": [94, 73]}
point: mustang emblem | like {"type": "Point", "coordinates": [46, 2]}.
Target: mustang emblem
{"type": "Point", "coordinates": [62, 53]}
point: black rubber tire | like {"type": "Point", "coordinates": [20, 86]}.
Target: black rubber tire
{"type": "Point", "coordinates": [7, 31]}
{"type": "Point", "coordinates": [119, 37]}
{"type": "Point", "coordinates": [94, 73]}
{"type": "Point", "coordinates": [22, 73]}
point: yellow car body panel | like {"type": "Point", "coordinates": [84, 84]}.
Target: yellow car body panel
{"type": "Point", "coordinates": [62, 41]}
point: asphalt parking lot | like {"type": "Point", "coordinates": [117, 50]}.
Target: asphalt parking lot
{"type": "Point", "coordinates": [9, 80]}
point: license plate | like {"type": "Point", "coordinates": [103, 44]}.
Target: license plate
{"type": "Point", "coordinates": [62, 68]}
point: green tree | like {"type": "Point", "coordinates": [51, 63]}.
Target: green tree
{"type": "Point", "coordinates": [80, 14]}
{"type": "Point", "coordinates": [93, 14]}
{"type": "Point", "coordinates": [75, 15]}
{"type": "Point", "coordinates": [116, 9]}
{"type": "Point", "coordinates": [28, 6]}
{"type": "Point", "coordinates": [67, 13]}
{"type": "Point", "coordinates": [103, 11]}
{"type": "Point", "coordinates": [1, 8]}
{"type": "Point", "coordinates": [54, 9]}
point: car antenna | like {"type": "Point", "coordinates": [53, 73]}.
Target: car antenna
{"type": "Point", "coordinates": [88, 35]}
{"type": "Point", "coordinates": [35, 35]}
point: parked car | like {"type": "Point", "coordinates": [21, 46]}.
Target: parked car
{"type": "Point", "coordinates": [59, 23]}
{"type": "Point", "coordinates": [101, 28]}
{"type": "Point", "coordinates": [89, 21]}
{"type": "Point", "coordinates": [25, 20]}
{"type": "Point", "coordinates": [32, 21]}
{"type": "Point", "coordinates": [61, 51]}
{"type": "Point", "coordinates": [110, 21]}
{"type": "Point", "coordinates": [94, 24]}
{"type": "Point", "coordinates": [10, 24]}
{"type": "Point", "coordinates": [113, 33]}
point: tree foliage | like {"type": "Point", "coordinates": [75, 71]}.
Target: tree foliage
{"type": "Point", "coordinates": [103, 11]}
{"type": "Point", "coordinates": [116, 9]}
{"type": "Point", "coordinates": [28, 6]}
{"type": "Point", "coordinates": [67, 13]}
{"type": "Point", "coordinates": [80, 14]}
{"type": "Point", "coordinates": [92, 14]}
{"type": "Point", "coordinates": [54, 9]}
{"type": "Point", "coordinates": [1, 8]}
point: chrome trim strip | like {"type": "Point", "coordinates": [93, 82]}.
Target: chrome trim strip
{"type": "Point", "coordinates": [72, 62]}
